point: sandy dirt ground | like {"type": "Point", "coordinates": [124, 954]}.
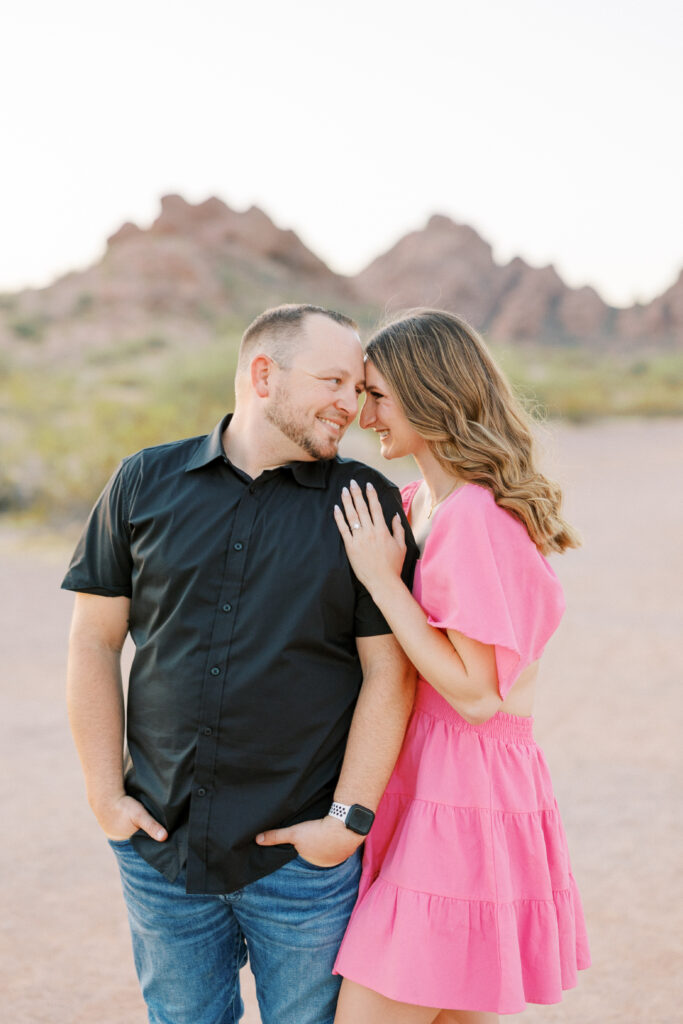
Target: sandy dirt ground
{"type": "Point", "coordinates": [608, 718]}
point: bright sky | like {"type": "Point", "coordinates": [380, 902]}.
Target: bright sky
{"type": "Point", "coordinates": [552, 128]}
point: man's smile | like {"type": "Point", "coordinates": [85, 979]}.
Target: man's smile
{"type": "Point", "coordinates": [334, 425]}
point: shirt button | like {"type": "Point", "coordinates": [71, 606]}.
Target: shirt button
{"type": "Point", "coordinates": [208, 730]}
{"type": "Point", "coordinates": [227, 607]}
{"type": "Point", "coordinates": [201, 791]}
{"type": "Point", "coordinates": [238, 546]}
{"type": "Point", "coordinates": [215, 671]}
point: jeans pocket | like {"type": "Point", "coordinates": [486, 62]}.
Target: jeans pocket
{"type": "Point", "coordinates": [118, 844]}
{"type": "Point", "coordinates": [318, 867]}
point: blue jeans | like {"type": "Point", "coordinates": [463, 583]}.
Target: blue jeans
{"type": "Point", "coordinates": [188, 949]}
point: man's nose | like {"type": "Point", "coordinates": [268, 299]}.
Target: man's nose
{"type": "Point", "coordinates": [367, 413]}
{"type": "Point", "coordinates": [348, 400]}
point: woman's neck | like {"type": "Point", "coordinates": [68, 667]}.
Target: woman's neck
{"type": "Point", "coordinates": [438, 484]}
{"type": "Point", "coordinates": [439, 481]}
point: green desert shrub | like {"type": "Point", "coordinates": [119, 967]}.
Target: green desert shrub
{"type": "Point", "coordinates": [29, 328]}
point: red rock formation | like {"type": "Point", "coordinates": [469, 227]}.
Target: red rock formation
{"type": "Point", "coordinates": [124, 233]}
{"type": "Point", "coordinates": [194, 266]}
{"type": "Point", "coordinates": [660, 319]}
{"type": "Point", "coordinates": [201, 263]}
{"type": "Point", "coordinates": [451, 266]}
{"type": "Point", "coordinates": [213, 223]}
{"type": "Point", "coordinates": [206, 256]}
{"type": "Point", "coordinates": [583, 313]}
{"type": "Point", "coordinates": [445, 265]}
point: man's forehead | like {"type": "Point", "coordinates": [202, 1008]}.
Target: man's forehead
{"type": "Point", "coordinates": [318, 329]}
{"type": "Point", "coordinates": [336, 345]}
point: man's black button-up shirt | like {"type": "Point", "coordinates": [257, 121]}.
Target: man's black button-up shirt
{"type": "Point", "coordinates": [244, 613]}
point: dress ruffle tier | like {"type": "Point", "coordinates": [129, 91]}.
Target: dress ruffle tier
{"type": "Point", "coordinates": [467, 900]}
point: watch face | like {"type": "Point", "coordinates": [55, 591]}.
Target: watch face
{"type": "Point", "coordinates": [359, 819]}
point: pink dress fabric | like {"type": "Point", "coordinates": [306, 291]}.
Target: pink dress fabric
{"type": "Point", "coordinates": [467, 900]}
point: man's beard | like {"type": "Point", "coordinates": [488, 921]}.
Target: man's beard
{"type": "Point", "coordinates": [280, 414]}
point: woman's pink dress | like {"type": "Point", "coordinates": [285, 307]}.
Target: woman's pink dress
{"type": "Point", "coordinates": [467, 900]}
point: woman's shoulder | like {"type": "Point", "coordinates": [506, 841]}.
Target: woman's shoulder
{"type": "Point", "coordinates": [483, 576]}
{"type": "Point", "coordinates": [475, 503]}
{"type": "Point", "coordinates": [470, 514]}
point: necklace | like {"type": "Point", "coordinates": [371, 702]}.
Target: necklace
{"type": "Point", "coordinates": [439, 500]}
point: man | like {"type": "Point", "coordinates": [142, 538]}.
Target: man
{"type": "Point", "coordinates": [253, 640]}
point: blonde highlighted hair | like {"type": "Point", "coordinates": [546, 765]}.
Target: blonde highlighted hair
{"type": "Point", "coordinates": [456, 398]}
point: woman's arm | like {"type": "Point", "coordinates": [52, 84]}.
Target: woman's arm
{"type": "Point", "coordinates": [462, 670]}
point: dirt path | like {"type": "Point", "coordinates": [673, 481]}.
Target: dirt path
{"type": "Point", "coordinates": [609, 719]}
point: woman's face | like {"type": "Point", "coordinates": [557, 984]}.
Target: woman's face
{"type": "Point", "coordinates": [382, 413]}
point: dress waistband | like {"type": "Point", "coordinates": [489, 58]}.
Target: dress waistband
{"type": "Point", "coordinates": [509, 728]}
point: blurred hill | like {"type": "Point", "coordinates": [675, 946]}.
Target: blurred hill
{"type": "Point", "coordinates": [178, 280]}
{"type": "Point", "coordinates": [450, 266]}
{"type": "Point", "coordinates": [200, 264]}
{"type": "Point", "coordinates": [141, 347]}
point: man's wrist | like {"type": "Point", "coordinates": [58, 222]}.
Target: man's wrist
{"type": "Point", "coordinates": [343, 838]}
{"type": "Point", "coordinates": [355, 817]}
{"type": "Point", "coordinates": [102, 800]}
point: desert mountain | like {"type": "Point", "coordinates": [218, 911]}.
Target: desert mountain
{"type": "Point", "coordinates": [449, 265]}
{"type": "Point", "coordinates": [661, 318]}
{"type": "Point", "coordinates": [202, 267]}
{"type": "Point", "coordinates": [181, 279]}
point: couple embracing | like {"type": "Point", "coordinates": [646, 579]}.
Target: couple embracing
{"type": "Point", "coordinates": [330, 768]}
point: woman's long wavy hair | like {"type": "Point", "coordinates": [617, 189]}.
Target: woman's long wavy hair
{"type": "Point", "coordinates": [456, 398]}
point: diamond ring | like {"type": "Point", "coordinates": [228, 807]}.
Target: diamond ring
{"type": "Point", "coordinates": [356, 526]}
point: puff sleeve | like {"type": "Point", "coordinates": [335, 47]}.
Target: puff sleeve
{"type": "Point", "coordinates": [482, 575]}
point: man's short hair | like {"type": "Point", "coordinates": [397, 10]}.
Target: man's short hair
{"type": "Point", "coordinates": [279, 328]}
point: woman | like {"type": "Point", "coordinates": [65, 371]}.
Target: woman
{"type": "Point", "coordinates": [467, 906]}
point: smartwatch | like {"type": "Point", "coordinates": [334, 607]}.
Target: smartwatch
{"type": "Point", "coordinates": [356, 817]}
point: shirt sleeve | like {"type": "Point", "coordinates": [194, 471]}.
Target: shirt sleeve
{"type": "Point", "coordinates": [102, 563]}
{"type": "Point", "coordinates": [482, 575]}
{"type": "Point", "coordinates": [369, 620]}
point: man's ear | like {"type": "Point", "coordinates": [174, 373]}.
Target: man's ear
{"type": "Point", "coordinates": [261, 369]}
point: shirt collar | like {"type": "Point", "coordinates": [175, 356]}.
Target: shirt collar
{"type": "Point", "coordinates": [308, 474]}
{"type": "Point", "coordinates": [211, 447]}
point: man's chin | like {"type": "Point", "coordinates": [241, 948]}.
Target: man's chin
{"type": "Point", "coordinates": [328, 448]}
{"type": "Point", "coordinates": [319, 452]}
{"type": "Point", "coordinates": [327, 453]}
